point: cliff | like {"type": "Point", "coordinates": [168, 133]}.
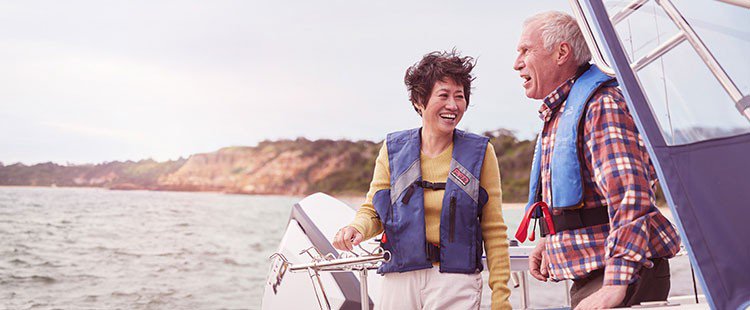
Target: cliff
{"type": "Point", "coordinates": [285, 167]}
{"type": "Point", "coordinates": [281, 167]}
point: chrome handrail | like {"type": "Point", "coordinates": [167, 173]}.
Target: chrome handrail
{"type": "Point", "coordinates": [342, 264]}
{"type": "Point", "coordinates": [328, 263]}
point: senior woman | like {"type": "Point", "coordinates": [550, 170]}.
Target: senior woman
{"type": "Point", "coordinates": [435, 195]}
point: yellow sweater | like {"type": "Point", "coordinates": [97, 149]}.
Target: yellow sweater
{"type": "Point", "coordinates": [493, 227]}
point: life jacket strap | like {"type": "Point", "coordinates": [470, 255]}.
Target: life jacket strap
{"type": "Point", "coordinates": [430, 185]}
{"type": "Point", "coordinates": [422, 184]}
{"type": "Point", "coordinates": [576, 219]}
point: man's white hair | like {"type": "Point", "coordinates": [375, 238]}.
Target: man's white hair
{"type": "Point", "coordinates": [558, 27]}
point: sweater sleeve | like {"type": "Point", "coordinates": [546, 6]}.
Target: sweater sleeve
{"type": "Point", "coordinates": [366, 220]}
{"type": "Point", "coordinates": [494, 232]}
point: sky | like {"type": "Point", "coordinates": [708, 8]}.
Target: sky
{"type": "Point", "coordinates": [96, 81]}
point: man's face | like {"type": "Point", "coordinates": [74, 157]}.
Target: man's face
{"type": "Point", "coordinates": [537, 66]}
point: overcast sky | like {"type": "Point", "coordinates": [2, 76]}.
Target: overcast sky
{"type": "Point", "coordinates": [95, 81]}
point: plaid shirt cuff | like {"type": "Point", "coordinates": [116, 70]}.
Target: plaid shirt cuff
{"type": "Point", "coordinates": [619, 271]}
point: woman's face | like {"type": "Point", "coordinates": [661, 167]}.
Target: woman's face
{"type": "Point", "coordinates": [445, 108]}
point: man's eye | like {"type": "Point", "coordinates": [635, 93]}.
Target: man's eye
{"type": "Point", "coordinates": [443, 95]}
{"type": "Point", "coordinates": [460, 96]}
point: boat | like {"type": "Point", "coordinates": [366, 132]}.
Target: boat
{"type": "Point", "coordinates": [696, 127]}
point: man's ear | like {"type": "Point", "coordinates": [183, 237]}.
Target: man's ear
{"type": "Point", "coordinates": [564, 53]}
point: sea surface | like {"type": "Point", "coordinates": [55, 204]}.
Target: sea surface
{"type": "Point", "coordinates": [74, 248]}
{"type": "Point", "coordinates": [95, 248]}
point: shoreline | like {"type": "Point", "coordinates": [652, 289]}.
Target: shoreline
{"type": "Point", "coordinates": [351, 199]}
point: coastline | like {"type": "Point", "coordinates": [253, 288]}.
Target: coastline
{"type": "Point", "coordinates": [352, 199]}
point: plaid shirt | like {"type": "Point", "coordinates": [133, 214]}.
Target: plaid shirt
{"type": "Point", "coordinates": [617, 173]}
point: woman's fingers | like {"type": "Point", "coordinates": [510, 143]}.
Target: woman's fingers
{"type": "Point", "coordinates": [357, 238]}
{"type": "Point", "coordinates": [347, 235]}
{"type": "Point", "coordinates": [338, 240]}
{"type": "Point", "coordinates": [346, 238]}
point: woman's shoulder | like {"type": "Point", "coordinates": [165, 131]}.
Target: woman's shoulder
{"type": "Point", "coordinates": [471, 136]}
{"type": "Point", "coordinates": [403, 134]}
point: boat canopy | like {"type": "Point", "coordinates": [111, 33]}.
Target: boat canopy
{"type": "Point", "coordinates": [684, 70]}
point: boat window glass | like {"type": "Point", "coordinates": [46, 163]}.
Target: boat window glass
{"type": "Point", "coordinates": [687, 99]}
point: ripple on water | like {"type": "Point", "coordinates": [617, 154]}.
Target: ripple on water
{"type": "Point", "coordinates": [18, 261]}
{"type": "Point", "coordinates": [135, 249]}
{"type": "Point", "coordinates": [34, 279]}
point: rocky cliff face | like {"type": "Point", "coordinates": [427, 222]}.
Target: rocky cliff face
{"type": "Point", "coordinates": [286, 167]}
{"type": "Point", "coordinates": [282, 167]}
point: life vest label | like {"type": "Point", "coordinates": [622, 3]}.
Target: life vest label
{"type": "Point", "coordinates": [460, 176]}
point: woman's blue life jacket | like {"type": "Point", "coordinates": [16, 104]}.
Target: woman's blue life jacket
{"type": "Point", "coordinates": [566, 170]}
{"type": "Point", "coordinates": [401, 208]}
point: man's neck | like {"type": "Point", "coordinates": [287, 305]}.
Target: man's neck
{"type": "Point", "coordinates": [563, 76]}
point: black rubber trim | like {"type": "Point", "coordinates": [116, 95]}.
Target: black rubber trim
{"type": "Point", "coordinates": [347, 282]}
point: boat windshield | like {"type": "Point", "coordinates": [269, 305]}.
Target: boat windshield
{"type": "Point", "coordinates": [691, 60]}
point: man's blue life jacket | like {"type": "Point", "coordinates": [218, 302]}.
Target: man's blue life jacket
{"type": "Point", "coordinates": [566, 170]}
{"type": "Point", "coordinates": [401, 208]}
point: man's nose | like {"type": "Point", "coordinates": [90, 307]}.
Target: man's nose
{"type": "Point", "coordinates": [518, 64]}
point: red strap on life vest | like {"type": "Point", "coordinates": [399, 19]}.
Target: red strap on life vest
{"type": "Point", "coordinates": [524, 225]}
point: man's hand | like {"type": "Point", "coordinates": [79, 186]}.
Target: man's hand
{"type": "Point", "coordinates": [346, 238]}
{"type": "Point", "coordinates": [538, 261]}
{"type": "Point", "coordinates": [609, 296]}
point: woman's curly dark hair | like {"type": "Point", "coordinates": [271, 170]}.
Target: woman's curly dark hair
{"type": "Point", "coordinates": [437, 66]}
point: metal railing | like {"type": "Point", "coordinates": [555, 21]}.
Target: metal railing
{"type": "Point", "coordinates": [329, 263]}
{"type": "Point", "coordinates": [686, 33]}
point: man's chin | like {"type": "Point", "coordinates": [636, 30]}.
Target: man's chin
{"type": "Point", "coordinates": [533, 95]}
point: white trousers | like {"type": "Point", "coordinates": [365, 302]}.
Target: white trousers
{"type": "Point", "coordinates": [430, 289]}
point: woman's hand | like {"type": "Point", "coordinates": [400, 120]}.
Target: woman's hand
{"type": "Point", "coordinates": [346, 238]}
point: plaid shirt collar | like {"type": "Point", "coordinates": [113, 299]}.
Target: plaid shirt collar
{"type": "Point", "coordinates": [554, 100]}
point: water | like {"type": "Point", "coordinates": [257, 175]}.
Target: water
{"type": "Point", "coordinates": [94, 248]}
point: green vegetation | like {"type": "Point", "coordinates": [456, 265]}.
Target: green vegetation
{"type": "Point", "coordinates": [340, 167]}
{"type": "Point", "coordinates": [143, 174]}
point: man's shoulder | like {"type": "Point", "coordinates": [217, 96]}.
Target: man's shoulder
{"type": "Point", "coordinates": [607, 99]}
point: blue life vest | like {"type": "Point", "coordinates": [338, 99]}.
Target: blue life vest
{"type": "Point", "coordinates": [401, 208]}
{"type": "Point", "coordinates": [567, 184]}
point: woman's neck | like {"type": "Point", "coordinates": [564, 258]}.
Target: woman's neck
{"type": "Point", "coordinates": [434, 143]}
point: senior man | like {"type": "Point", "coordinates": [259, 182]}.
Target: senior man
{"type": "Point", "coordinates": [592, 172]}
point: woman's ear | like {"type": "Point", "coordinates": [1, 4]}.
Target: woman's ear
{"type": "Point", "coordinates": [419, 108]}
